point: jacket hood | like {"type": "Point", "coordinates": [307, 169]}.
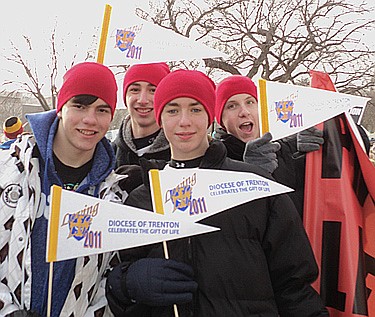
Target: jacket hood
{"type": "Point", "coordinates": [44, 126]}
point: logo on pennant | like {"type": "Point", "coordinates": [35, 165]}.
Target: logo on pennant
{"type": "Point", "coordinates": [181, 197]}
{"type": "Point", "coordinates": [284, 110]}
{"type": "Point", "coordinates": [124, 39]}
{"type": "Point", "coordinates": [79, 225]}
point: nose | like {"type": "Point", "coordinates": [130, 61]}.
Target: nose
{"type": "Point", "coordinates": [143, 97]}
{"type": "Point", "coordinates": [90, 116]}
{"type": "Point", "coordinates": [185, 119]}
{"type": "Point", "coordinates": [244, 111]}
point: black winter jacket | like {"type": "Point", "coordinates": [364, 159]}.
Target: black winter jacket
{"type": "Point", "coordinates": [259, 264]}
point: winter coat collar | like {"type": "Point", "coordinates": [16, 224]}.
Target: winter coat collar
{"type": "Point", "coordinates": [125, 138]}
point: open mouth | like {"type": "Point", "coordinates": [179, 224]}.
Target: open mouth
{"type": "Point", "coordinates": [247, 127]}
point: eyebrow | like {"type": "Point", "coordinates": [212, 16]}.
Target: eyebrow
{"type": "Point", "coordinates": [105, 105]}
{"type": "Point", "coordinates": [138, 84]}
{"type": "Point", "coordinates": [176, 104]}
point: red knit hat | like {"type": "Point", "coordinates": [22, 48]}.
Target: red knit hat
{"type": "Point", "coordinates": [152, 73]}
{"type": "Point", "coordinates": [185, 83]}
{"type": "Point", "coordinates": [88, 78]}
{"type": "Point", "coordinates": [12, 127]}
{"type": "Point", "coordinates": [232, 85]}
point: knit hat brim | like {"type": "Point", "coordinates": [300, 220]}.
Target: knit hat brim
{"type": "Point", "coordinates": [185, 83]}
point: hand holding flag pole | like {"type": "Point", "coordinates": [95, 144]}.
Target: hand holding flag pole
{"type": "Point", "coordinates": [158, 207]}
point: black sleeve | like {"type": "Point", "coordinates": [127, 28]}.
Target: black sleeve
{"type": "Point", "coordinates": [291, 171]}
{"type": "Point", "coordinates": [119, 302]}
{"type": "Point", "coordinates": [365, 138]}
{"type": "Point", "coordinates": [291, 262]}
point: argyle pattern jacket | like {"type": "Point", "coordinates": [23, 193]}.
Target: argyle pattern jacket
{"type": "Point", "coordinates": [20, 200]}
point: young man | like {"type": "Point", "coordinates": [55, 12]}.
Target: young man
{"type": "Point", "coordinates": [139, 135]}
{"type": "Point", "coordinates": [236, 111]}
{"type": "Point", "coordinates": [67, 148]}
{"type": "Point", "coordinates": [259, 264]}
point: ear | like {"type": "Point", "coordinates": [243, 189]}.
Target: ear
{"type": "Point", "coordinates": [59, 114]}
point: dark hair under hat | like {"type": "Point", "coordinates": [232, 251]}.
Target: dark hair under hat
{"type": "Point", "coordinates": [185, 83]}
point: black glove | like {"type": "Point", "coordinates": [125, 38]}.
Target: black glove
{"type": "Point", "coordinates": [262, 152]}
{"type": "Point", "coordinates": [218, 133]}
{"type": "Point", "coordinates": [160, 282]}
{"type": "Point", "coordinates": [134, 178]}
{"type": "Point", "coordinates": [309, 140]}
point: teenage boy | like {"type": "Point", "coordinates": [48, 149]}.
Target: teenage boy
{"type": "Point", "coordinates": [139, 135]}
{"type": "Point", "coordinates": [237, 113]}
{"type": "Point", "coordinates": [259, 264]}
{"type": "Point", "coordinates": [68, 149]}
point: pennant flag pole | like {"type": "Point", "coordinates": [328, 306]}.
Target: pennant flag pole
{"type": "Point", "coordinates": [54, 220]}
{"type": "Point", "coordinates": [104, 33]}
{"type": "Point", "coordinates": [263, 107]}
{"type": "Point", "coordinates": [158, 208]}
{"type": "Point", "coordinates": [100, 59]}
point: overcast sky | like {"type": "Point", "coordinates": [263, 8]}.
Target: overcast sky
{"type": "Point", "coordinates": [75, 20]}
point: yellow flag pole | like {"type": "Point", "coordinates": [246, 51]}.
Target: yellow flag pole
{"type": "Point", "coordinates": [104, 34]}
{"type": "Point", "coordinates": [53, 239]}
{"type": "Point", "coordinates": [263, 106]}
{"type": "Point", "coordinates": [159, 209]}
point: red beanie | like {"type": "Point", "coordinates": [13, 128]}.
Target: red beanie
{"type": "Point", "coordinates": [233, 85]}
{"type": "Point", "coordinates": [151, 73]}
{"type": "Point", "coordinates": [88, 78]}
{"type": "Point", "coordinates": [185, 83]}
{"type": "Point", "coordinates": [12, 127]}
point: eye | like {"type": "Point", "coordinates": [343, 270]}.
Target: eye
{"type": "Point", "coordinates": [196, 110]}
{"type": "Point", "coordinates": [134, 90]}
{"type": "Point", "coordinates": [230, 106]}
{"type": "Point", "coordinates": [105, 110]}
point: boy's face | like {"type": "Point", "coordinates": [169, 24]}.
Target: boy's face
{"type": "Point", "coordinates": [140, 103]}
{"type": "Point", "coordinates": [240, 117]}
{"type": "Point", "coordinates": [81, 127]}
{"type": "Point", "coordinates": [184, 121]}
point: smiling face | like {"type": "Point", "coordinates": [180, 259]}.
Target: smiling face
{"type": "Point", "coordinates": [184, 121]}
{"type": "Point", "coordinates": [240, 117]}
{"type": "Point", "coordinates": [139, 100]}
{"type": "Point", "coordinates": [80, 129]}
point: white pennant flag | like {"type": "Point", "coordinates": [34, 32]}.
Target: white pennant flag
{"type": "Point", "coordinates": [199, 193]}
{"type": "Point", "coordinates": [132, 40]}
{"type": "Point", "coordinates": [286, 109]}
{"type": "Point", "coordinates": [81, 225]}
